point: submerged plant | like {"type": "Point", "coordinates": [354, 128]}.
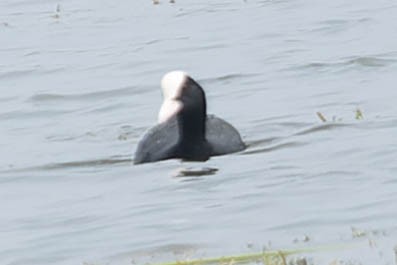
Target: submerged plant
{"type": "Point", "coordinates": [266, 257]}
{"type": "Point", "coordinates": [359, 114]}
{"type": "Point", "coordinates": [321, 117]}
{"type": "Point", "coordinates": [276, 257]}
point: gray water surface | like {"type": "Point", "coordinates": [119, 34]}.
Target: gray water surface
{"type": "Point", "coordinates": [79, 87]}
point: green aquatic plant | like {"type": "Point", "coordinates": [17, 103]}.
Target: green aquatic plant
{"type": "Point", "coordinates": [267, 257]}
{"type": "Point", "coordinates": [359, 114]}
{"type": "Point", "coordinates": [321, 116]}
{"type": "Point", "coordinates": [358, 233]}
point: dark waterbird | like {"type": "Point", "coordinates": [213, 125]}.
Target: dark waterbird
{"type": "Point", "coordinates": [185, 130]}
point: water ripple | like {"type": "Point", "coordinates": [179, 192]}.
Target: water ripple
{"type": "Point", "coordinates": [228, 77]}
{"type": "Point", "coordinates": [323, 127]}
{"type": "Point", "coordinates": [275, 147]}
{"type": "Point", "coordinates": [115, 160]}
{"type": "Point", "coordinates": [97, 95]}
{"type": "Point", "coordinates": [352, 62]}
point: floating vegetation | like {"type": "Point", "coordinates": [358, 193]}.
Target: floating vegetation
{"type": "Point", "coordinates": [267, 257]}
{"type": "Point", "coordinates": [358, 233]}
{"type": "Point", "coordinates": [156, 2]}
{"type": "Point", "coordinates": [304, 239]}
{"type": "Point", "coordinates": [302, 256]}
{"type": "Point", "coordinates": [321, 117]}
{"type": "Point", "coordinates": [57, 12]}
{"type": "Point", "coordinates": [358, 115]}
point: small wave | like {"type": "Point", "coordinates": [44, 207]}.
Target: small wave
{"type": "Point", "coordinates": [147, 255]}
{"type": "Point", "coordinates": [31, 114]}
{"type": "Point", "coordinates": [335, 25]}
{"type": "Point", "coordinates": [279, 142]}
{"type": "Point", "coordinates": [272, 120]}
{"type": "Point", "coordinates": [349, 62]}
{"type": "Point", "coordinates": [260, 142]}
{"type": "Point", "coordinates": [126, 132]}
{"type": "Point", "coordinates": [144, 44]}
{"type": "Point", "coordinates": [87, 163]}
{"type": "Point", "coordinates": [322, 127]}
{"type": "Point", "coordinates": [370, 61]}
{"type": "Point", "coordinates": [274, 147]}
{"type": "Point", "coordinates": [228, 77]}
{"type": "Point", "coordinates": [97, 95]}
{"type": "Point", "coordinates": [31, 53]}
{"type": "Point", "coordinates": [16, 73]}
{"type": "Point", "coordinates": [74, 164]}
{"type": "Point", "coordinates": [6, 99]}
{"type": "Point", "coordinates": [84, 136]}
{"type": "Point", "coordinates": [207, 47]}
{"type": "Point", "coordinates": [47, 97]}
{"type": "Point", "coordinates": [190, 12]}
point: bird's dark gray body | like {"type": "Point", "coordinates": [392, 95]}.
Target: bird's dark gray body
{"type": "Point", "coordinates": [163, 142]}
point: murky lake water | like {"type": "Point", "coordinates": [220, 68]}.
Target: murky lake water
{"type": "Point", "coordinates": [80, 86]}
